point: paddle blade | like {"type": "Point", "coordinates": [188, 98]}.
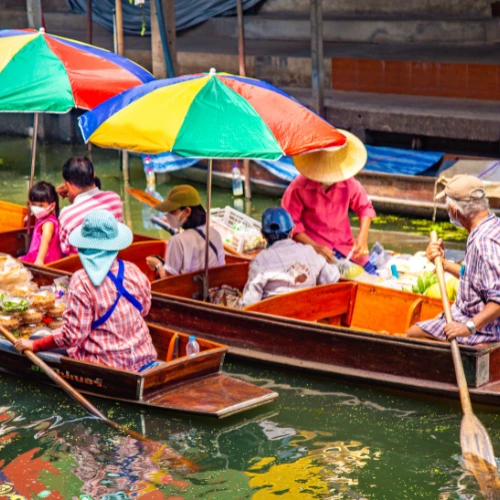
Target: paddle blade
{"type": "Point", "coordinates": [479, 457]}
{"type": "Point", "coordinates": [143, 197]}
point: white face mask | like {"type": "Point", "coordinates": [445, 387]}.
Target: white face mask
{"type": "Point", "coordinates": [454, 221]}
{"type": "Point", "coordinates": [174, 221]}
{"type": "Point", "coordinates": [40, 212]}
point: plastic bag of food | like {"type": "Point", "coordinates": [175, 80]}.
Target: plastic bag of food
{"type": "Point", "coordinates": [61, 288]}
{"type": "Point", "coordinates": [225, 295]}
{"type": "Point", "coordinates": [13, 304]}
{"type": "Point", "coordinates": [349, 269]}
{"type": "Point", "coordinates": [12, 272]}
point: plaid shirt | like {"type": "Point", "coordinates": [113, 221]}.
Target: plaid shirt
{"type": "Point", "coordinates": [479, 284]}
{"type": "Point", "coordinates": [121, 342]}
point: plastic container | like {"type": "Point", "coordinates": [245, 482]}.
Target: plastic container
{"type": "Point", "coordinates": [192, 347]}
{"type": "Point", "coordinates": [150, 176]}
{"type": "Point", "coordinates": [240, 232]}
{"type": "Point", "coordinates": [378, 256]}
{"type": "Point", "coordinates": [237, 181]}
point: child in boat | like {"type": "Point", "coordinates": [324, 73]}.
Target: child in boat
{"type": "Point", "coordinates": [286, 265]}
{"type": "Point", "coordinates": [186, 250]}
{"type": "Point", "coordinates": [44, 205]}
{"type": "Point", "coordinates": [107, 301]}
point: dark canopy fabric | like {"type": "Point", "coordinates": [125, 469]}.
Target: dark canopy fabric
{"type": "Point", "coordinates": [187, 12]}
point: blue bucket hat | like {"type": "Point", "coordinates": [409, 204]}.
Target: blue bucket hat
{"type": "Point", "coordinates": [277, 220]}
{"type": "Point", "coordinates": [98, 240]}
{"type": "Point", "coordinates": [101, 231]}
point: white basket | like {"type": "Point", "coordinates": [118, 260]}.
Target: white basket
{"type": "Point", "coordinates": [240, 232]}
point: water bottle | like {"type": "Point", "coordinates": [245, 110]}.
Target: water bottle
{"type": "Point", "coordinates": [192, 347]}
{"type": "Point", "coordinates": [237, 181]}
{"type": "Point", "coordinates": [150, 176]}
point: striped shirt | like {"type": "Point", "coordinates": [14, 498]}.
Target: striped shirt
{"type": "Point", "coordinates": [123, 341]}
{"type": "Point", "coordinates": [72, 216]}
{"type": "Point", "coordinates": [479, 284]}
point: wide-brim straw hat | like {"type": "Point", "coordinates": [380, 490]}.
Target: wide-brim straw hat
{"type": "Point", "coordinates": [101, 231]}
{"type": "Point", "coordinates": [333, 165]}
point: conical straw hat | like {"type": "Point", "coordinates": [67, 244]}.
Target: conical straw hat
{"type": "Point", "coordinates": [333, 165]}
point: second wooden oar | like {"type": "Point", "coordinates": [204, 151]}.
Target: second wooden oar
{"type": "Point", "coordinates": [80, 398]}
{"type": "Point", "coordinates": [474, 439]}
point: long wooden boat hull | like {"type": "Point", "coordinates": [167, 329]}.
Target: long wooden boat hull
{"type": "Point", "coordinates": [390, 193]}
{"type": "Point", "coordinates": [354, 353]}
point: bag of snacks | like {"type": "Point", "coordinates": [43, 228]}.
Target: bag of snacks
{"type": "Point", "coordinates": [12, 272]}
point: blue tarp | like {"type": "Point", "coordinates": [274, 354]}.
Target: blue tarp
{"type": "Point", "coordinates": [380, 159]}
{"type": "Point", "coordinates": [188, 13]}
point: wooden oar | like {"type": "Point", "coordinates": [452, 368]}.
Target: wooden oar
{"type": "Point", "coordinates": [143, 197]}
{"type": "Point", "coordinates": [79, 398]}
{"type": "Point", "coordinates": [474, 439]}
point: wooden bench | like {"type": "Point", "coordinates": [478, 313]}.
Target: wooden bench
{"type": "Point", "coordinates": [333, 302]}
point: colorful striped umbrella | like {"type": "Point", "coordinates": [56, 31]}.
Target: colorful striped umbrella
{"type": "Point", "coordinates": [215, 115]}
{"type": "Point", "coordinates": [41, 73]}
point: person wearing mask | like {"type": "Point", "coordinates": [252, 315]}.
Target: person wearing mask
{"type": "Point", "coordinates": [186, 250]}
{"type": "Point", "coordinates": [476, 311]}
{"type": "Point", "coordinates": [320, 198]}
{"type": "Point", "coordinates": [107, 301]}
{"type": "Point", "coordinates": [81, 188]}
{"type": "Point", "coordinates": [286, 265]}
{"type": "Point", "coordinates": [44, 205]}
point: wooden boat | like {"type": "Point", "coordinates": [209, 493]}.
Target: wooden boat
{"type": "Point", "coordinates": [391, 193]}
{"type": "Point", "coordinates": [349, 333]}
{"type": "Point", "coordinates": [361, 338]}
{"type": "Point", "coordinates": [194, 384]}
{"type": "Point", "coordinates": [12, 216]}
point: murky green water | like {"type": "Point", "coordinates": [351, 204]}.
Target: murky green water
{"type": "Point", "coordinates": [321, 439]}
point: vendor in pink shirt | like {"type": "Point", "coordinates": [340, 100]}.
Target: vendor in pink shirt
{"type": "Point", "coordinates": [320, 198]}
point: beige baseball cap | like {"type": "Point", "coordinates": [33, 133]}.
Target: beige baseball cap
{"type": "Point", "coordinates": [463, 187]}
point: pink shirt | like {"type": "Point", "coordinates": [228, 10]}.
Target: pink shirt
{"type": "Point", "coordinates": [324, 216]}
{"type": "Point", "coordinates": [71, 217]}
{"type": "Point", "coordinates": [54, 250]}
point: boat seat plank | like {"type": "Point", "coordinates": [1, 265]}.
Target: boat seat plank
{"type": "Point", "coordinates": [190, 285]}
{"type": "Point", "coordinates": [219, 395]}
{"type": "Point", "coordinates": [136, 253]}
{"type": "Point", "coordinates": [334, 302]}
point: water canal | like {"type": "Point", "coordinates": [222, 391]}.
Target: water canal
{"type": "Point", "coordinates": [321, 439]}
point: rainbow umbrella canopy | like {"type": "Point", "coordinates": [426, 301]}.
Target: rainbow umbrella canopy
{"type": "Point", "coordinates": [41, 73]}
{"type": "Point", "coordinates": [215, 115]}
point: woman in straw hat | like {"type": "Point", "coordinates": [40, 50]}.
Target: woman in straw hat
{"type": "Point", "coordinates": [319, 201]}
{"type": "Point", "coordinates": [103, 322]}
{"type": "Point", "coordinates": [186, 250]}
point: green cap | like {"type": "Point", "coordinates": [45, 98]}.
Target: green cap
{"type": "Point", "coordinates": [180, 196]}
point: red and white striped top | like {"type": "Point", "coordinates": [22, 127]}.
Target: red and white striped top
{"type": "Point", "coordinates": [71, 217]}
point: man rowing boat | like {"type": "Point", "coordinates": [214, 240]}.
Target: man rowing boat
{"type": "Point", "coordinates": [103, 322]}
{"type": "Point", "coordinates": [476, 311]}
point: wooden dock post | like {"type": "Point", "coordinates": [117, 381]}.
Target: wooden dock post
{"type": "Point", "coordinates": [318, 70]}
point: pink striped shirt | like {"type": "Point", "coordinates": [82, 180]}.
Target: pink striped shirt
{"type": "Point", "coordinates": [71, 217]}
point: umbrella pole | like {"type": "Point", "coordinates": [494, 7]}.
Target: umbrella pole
{"type": "Point", "coordinates": [207, 240]}
{"type": "Point", "coordinates": [33, 163]}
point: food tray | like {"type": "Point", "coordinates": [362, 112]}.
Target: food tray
{"type": "Point", "coordinates": [240, 232]}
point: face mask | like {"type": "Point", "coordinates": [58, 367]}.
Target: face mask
{"type": "Point", "coordinates": [40, 212]}
{"type": "Point", "coordinates": [174, 221]}
{"type": "Point", "coordinates": [454, 221]}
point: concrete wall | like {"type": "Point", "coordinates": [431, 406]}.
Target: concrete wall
{"type": "Point", "coordinates": [391, 8]}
